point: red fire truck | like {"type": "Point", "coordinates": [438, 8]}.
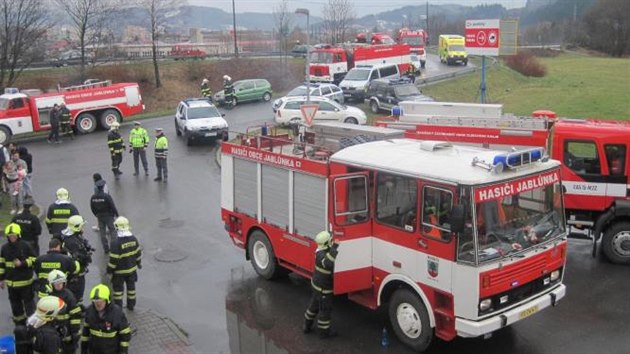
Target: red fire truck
{"type": "Point", "coordinates": [186, 51]}
{"type": "Point", "coordinates": [417, 40]}
{"type": "Point", "coordinates": [456, 241]}
{"type": "Point", "coordinates": [331, 63]}
{"type": "Point", "coordinates": [594, 156]}
{"type": "Point", "coordinates": [103, 102]}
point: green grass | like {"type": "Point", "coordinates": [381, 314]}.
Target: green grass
{"type": "Point", "coordinates": [576, 85]}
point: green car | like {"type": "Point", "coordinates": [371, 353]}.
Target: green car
{"type": "Point", "coordinates": [247, 90]}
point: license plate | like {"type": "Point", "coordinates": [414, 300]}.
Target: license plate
{"type": "Point", "coordinates": [211, 134]}
{"type": "Point", "coordinates": [526, 313]}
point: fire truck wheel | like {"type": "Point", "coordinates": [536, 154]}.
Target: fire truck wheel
{"type": "Point", "coordinates": [86, 123]}
{"type": "Point", "coordinates": [261, 255]}
{"type": "Point", "coordinates": [616, 243]}
{"type": "Point", "coordinates": [5, 135]}
{"type": "Point", "coordinates": [410, 320]}
{"type": "Point", "coordinates": [108, 117]}
{"type": "Point", "coordinates": [266, 97]}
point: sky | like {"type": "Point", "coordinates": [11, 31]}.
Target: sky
{"type": "Point", "coordinates": [362, 7]}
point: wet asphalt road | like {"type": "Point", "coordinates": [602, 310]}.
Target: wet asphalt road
{"type": "Point", "coordinates": [215, 296]}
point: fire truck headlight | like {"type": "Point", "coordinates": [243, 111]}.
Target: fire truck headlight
{"type": "Point", "coordinates": [555, 275]}
{"type": "Point", "coordinates": [485, 304]}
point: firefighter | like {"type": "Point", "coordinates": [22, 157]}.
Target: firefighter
{"type": "Point", "coordinates": [54, 259]}
{"type": "Point", "coordinates": [116, 148]}
{"type": "Point", "coordinates": [41, 333]}
{"type": "Point", "coordinates": [124, 261]}
{"type": "Point", "coordinates": [206, 91]}
{"type": "Point", "coordinates": [65, 117]}
{"type": "Point", "coordinates": [161, 151]}
{"type": "Point", "coordinates": [68, 320]}
{"type": "Point", "coordinates": [322, 286]}
{"type": "Point", "coordinates": [104, 208]}
{"type": "Point", "coordinates": [30, 225]}
{"type": "Point", "coordinates": [138, 142]}
{"type": "Point", "coordinates": [73, 243]}
{"type": "Point", "coordinates": [411, 73]}
{"type": "Point", "coordinates": [59, 212]}
{"type": "Point", "coordinates": [228, 91]}
{"type": "Point", "coordinates": [16, 271]}
{"type": "Point", "coordinates": [105, 326]}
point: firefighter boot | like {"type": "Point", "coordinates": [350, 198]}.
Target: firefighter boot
{"type": "Point", "coordinates": [327, 333]}
{"type": "Point", "coordinates": [308, 326]}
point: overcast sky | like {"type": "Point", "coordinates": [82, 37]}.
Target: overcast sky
{"type": "Point", "coordinates": [362, 7]}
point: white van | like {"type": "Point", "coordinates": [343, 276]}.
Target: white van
{"type": "Point", "coordinates": [356, 82]}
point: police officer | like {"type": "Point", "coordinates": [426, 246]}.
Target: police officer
{"type": "Point", "coordinates": [104, 209]}
{"type": "Point", "coordinates": [16, 271]}
{"type": "Point", "coordinates": [116, 146]}
{"type": "Point", "coordinates": [78, 247]}
{"type": "Point", "coordinates": [138, 142]}
{"type": "Point", "coordinates": [105, 326]}
{"type": "Point", "coordinates": [54, 259]}
{"type": "Point", "coordinates": [124, 261]}
{"type": "Point", "coordinates": [59, 212]}
{"type": "Point", "coordinates": [322, 286]}
{"type": "Point", "coordinates": [161, 151]}
{"type": "Point", "coordinates": [68, 320]}
{"type": "Point", "coordinates": [40, 333]}
{"type": "Point", "coordinates": [64, 114]}
{"type": "Point", "coordinates": [55, 118]}
{"type": "Point", "coordinates": [30, 225]}
{"type": "Point", "coordinates": [206, 91]}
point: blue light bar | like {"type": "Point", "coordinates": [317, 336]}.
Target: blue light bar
{"type": "Point", "coordinates": [11, 90]}
{"type": "Point", "coordinates": [518, 158]}
{"type": "Point", "coordinates": [397, 111]}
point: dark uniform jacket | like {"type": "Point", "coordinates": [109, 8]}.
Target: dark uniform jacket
{"type": "Point", "coordinates": [46, 263]}
{"type": "Point", "coordinates": [102, 204]}
{"type": "Point", "coordinates": [107, 335]}
{"type": "Point", "coordinates": [322, 280]}
{"type": "Point", "coordinates": [27, 157]}
{"type": "Point", "coordinates": [70, 317]}
{"type": "Point", "coordinates": [16, 277]}
{"type": "Point", "coordinates": [46, 339]}
{"type": "Point", "coordinates": [58, 214]}
{"type": "Point", "coordinates": [79, 248]}
{"type": "Point", "coordinates": [30, 224]}
{"type": "Point", "coordinates": [115, 142]}
{"type": "Point", "coordinates": [124, 255]}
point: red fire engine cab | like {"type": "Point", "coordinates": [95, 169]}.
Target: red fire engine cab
{"type": "Point", "coordinates": [594, 155]}
{"type": "Point", "coordinates": [454, 240]}
{"type": "Point", "coordinates": [331, 63]}
{"type": "Point", "coordinates": [90, 104]}
{"type": "Point", "coordinates": [417, 40]}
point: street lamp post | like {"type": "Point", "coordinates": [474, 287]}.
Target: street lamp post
{"type": "Point", "coordinates": [303, 11]}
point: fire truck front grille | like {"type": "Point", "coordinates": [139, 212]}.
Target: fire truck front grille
{"type": "Point", "coordinates": [534, 266]}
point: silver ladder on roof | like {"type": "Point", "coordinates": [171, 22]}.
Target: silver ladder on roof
{"type": "Point", "coordinates": [507, 121]}
{"type": "Point", "coordinates": [96, 84]}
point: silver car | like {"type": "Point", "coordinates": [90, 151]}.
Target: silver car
{"type": "Point", "coordinates": [330, 91]}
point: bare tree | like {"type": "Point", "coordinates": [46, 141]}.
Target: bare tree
{"type": "Point", "coordinates": [22, 26]}
{"type": "Point", "coordinates": [157, 11]}
{"type": "Point", "coordinates": [88, 18]}
{"type": "Point", "coordinates": [338, 17]}
{"type": "Point", "coordinates": [283, 20]}
{"type": "Point", "coordinates": [608, 25]}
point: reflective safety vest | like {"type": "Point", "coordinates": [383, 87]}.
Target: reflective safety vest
{"type": "Point", "coordinates": [161, 147]}
{"type": "Point", "coordinates": [138, 138]}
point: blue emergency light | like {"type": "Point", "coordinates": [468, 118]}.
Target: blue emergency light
{"type": "Point", "coordinates": [518, 158]}
{"type": "Point", "coordinates": [11, 90]}
{"type": "Point", "coordinates": [397, 111]}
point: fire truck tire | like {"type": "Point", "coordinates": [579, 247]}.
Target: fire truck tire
{"type": "Point", "coordinates": [262, 256]}
{"type": "Point", "coordinates": [351, 120]}
{"type": "Point", "coordinates": [374, 106]}
{"type": "Point", "coordinates": [5, 135]}
{"type": "Point", "coordinates": [410, 320]}
{"type": "Point", "coordinates": [108, 117]}
{"type": "Point", "coordinates": [85, 123]}
{"type": "Point", "coordinates": [266, 96]}
{"type": "Point", "coordinates": [616, 243]}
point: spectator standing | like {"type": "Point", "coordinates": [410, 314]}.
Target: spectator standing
{"type": "Point", "coordinates": [15, 172]}
{"type": "Point", "coordinates": [27, 183]}
{"type": "Point", "coordinates": [55, 120]}
{"type": "Point", "coordinates": [138, 141]}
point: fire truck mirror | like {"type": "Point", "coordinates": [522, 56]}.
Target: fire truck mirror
{"type": "Point", "coordinates": [457, 219]}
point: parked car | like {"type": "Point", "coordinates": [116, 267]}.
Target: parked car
{"type": "Point", "coordinates": [199, 119]}
{"type": "Point", "coordinates": [329, 110]}
{"type": "Point", "coordinates": [330, 91]}
{"type": "Point", "coordinates": [356, 82]}
{"type": "Point", "coordinates": [384, 94]}
{"type": "Point", "coordinates": [247, 90]}
{"type": "Point", "coordinates": [299, 51]}
{"type": "Point", "coordinates": [71, 57]}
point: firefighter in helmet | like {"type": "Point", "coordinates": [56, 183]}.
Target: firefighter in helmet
{"type": "Point", "coordinates": [66, 117]}
{"type": "Point", "coordinates": [59, 212]}
{"type": "Point", "coordinates": [206, 91]}
{"type": "Point", "coordinates": [54, 259]}
{"type": "Point", "coordinates": [116, 146]}
{"type": "Point", "coordinates": [68, 321]}
{"type": "Point", "coordinates": [322, 287]}
{"type": "Point", "coordinates": [41, 334]}
{"type": "Point", "coordinates": [124, 261]}
{"type": "Point", "coordinates": [228, 90]}
{"type": "Point", "coordinates": [105, 326]}
{"type": "Point", "coordinates": [79, 248]}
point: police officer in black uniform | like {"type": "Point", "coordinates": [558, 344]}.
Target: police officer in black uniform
{"type": "Point", "coordinates": [104, 208]}
{"type": "Point", "coordinates": [31, 226]}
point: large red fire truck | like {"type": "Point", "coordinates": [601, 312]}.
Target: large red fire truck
{"type": "Point", "coordinates": [417, 40]}
{"type": "Point", "coordinates": [90, 104]}
{"type": "Point", "coordinates": [458, 241]}
{"type": "Point", "coordinates": [331, 63]}
{"type": "Point", "coordinates": [594, 156]}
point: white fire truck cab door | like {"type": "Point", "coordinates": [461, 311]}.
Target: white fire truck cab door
{"type": "Point", "coordinates": [132, 93]}
{"type": "Point", "coordinates": [352, 229]}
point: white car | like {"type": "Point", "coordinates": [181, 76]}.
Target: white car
{"type": "Point", "coordinates": [330, 91]}
{"type": "Point", "coordinates": [329, 110]}
{"type": "Point", "coordinates": [198, 119]}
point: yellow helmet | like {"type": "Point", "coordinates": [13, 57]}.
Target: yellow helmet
{"type": "Point", "coordinates": [62, 194]}
{"type": "Point", "coordinates": [100, 292]}
{"type": "Point", "coordinates": [323, 240]}
{"type": "Point", "coordinates": [56, 276]}
{"type": "Point", "coordinates": [121, 223]}
{"type": "Point", "coordinates": [13, 229]}
{"type": "Point", "coordinates": [48, 308]}
{"type": "Point", "coordinates": [75, 223]}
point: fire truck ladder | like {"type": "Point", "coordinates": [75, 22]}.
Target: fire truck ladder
{"type": "Point", "coordinates": [87, 85]}
{"type": "Point", "coordinates": [506, 121]}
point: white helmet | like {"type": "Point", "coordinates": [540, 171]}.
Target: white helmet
{"type": "Point", "coordinates": [323, 240]}
{"type": "Point", "coordinates": [114, 126]}
{"type": "Point", "coordinates": [62, 194]}
{"type": "Point", "coordinates": [48, 308]}
{"type": "Point", "coordinates": [56, 276]}
{"type": "Point", "coordinates": [225, 77]}
{"type": "Point", "coordinates": [205, 81]}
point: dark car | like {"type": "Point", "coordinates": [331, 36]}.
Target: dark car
{"type": "Point", "coordinates": [299, 51]}
{"type": "Point", "coordinates": [385, 94]}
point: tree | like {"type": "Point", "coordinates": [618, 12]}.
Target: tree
{"type": "Point", "coordinates": [283, 20]}
{"type": "Point", "coordinates": [338, 17]}
{"type": "Point", "coordinates": [608, 26]}
{"type": "Point", "coordinates": [22, 27]}
{"type": "Point", "coordinates": [157, 11]}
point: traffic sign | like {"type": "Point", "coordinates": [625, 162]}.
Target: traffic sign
{"type": "Point", "coordinates": [482, 37]}
{"type": "Point", "coordinates": [308, 112]}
